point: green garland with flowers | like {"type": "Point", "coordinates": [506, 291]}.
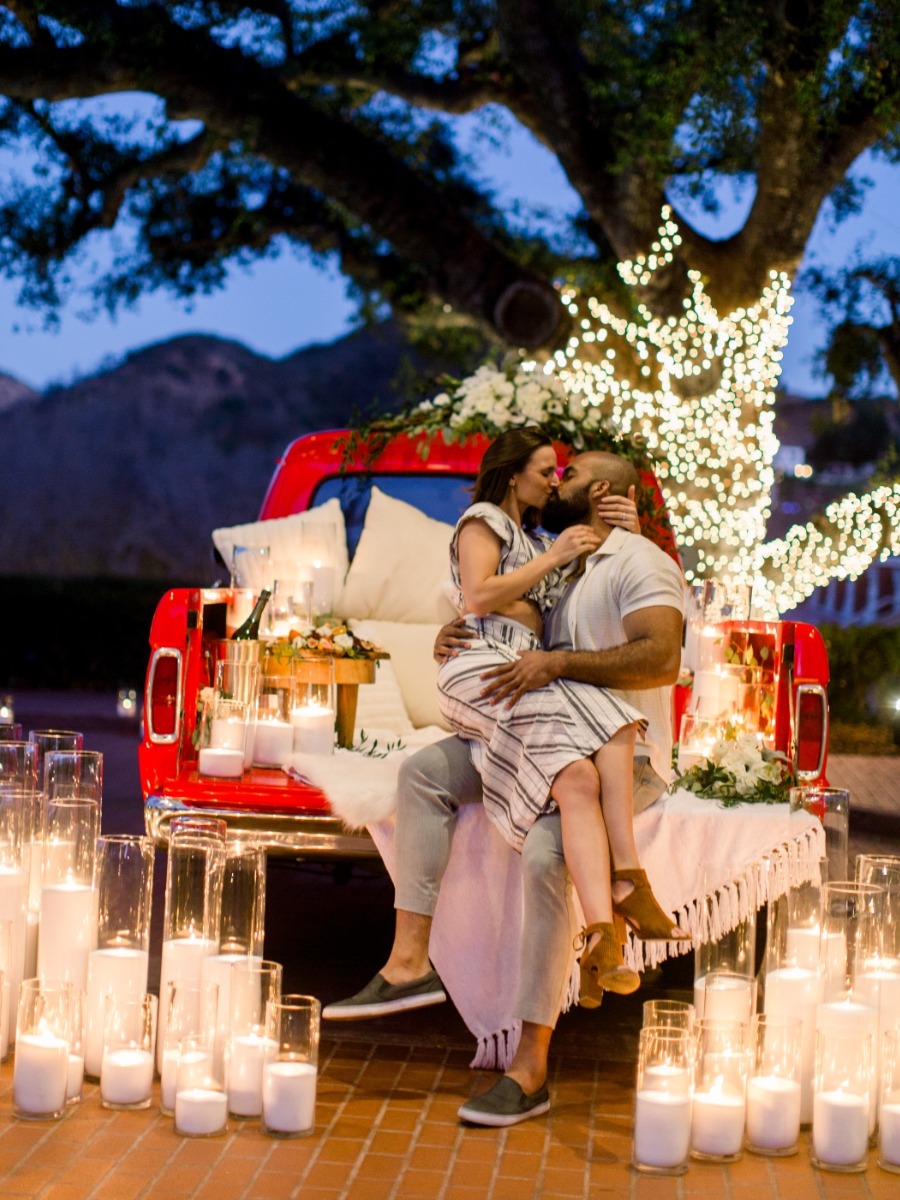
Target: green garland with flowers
{"type": "Point", "coordinates": [739, 771]}
{"type": "Point", "coordinates": [495, 399]}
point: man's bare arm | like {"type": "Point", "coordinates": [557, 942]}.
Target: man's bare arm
{"type": "Point", "coordinates": [650, 658]}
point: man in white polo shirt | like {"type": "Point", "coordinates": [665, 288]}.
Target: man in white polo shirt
{"type": "Point", "coordinates": [618, 626]}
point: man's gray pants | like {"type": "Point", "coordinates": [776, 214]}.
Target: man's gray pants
{"type": "Point", "coordinates": [433, 785]}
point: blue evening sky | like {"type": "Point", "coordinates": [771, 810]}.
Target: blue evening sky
{"type": "Point", "coordinates": [279, 306]}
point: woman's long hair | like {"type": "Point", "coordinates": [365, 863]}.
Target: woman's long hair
{"type": "Point", "coordinates": [506, 456]}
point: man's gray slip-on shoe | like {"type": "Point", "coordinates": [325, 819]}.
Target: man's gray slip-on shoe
{"type": "Point", "coordinates": [380, 998]}
{"type": "Point", "coordinates": [505, 1104]}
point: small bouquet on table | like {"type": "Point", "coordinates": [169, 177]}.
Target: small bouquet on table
{"type": "Point", "coordinates": [325, 665]}
{"type": "Point", "coordinates": [738, 769]}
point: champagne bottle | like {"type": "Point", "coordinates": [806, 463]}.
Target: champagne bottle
{"type": "Point", "coordinates": [249, 631]}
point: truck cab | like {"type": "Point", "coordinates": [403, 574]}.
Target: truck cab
{"type": "Point", "coordinates": [395, 508]}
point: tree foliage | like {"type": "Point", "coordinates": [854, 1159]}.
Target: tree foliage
{"type": "Point", "coordinates": [203, 133]}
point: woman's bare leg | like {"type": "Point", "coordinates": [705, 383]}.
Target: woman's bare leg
{"type": "Point", "coordinates": [576, 789]}
{"type": "Point", "coordinates": [615, 764]}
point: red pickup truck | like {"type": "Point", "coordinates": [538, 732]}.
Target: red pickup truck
{"type": "Point", "coordinates": [288, 816]}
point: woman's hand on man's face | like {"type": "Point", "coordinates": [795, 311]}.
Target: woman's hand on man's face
{"type": "Point", "coordinates": [620, 511]}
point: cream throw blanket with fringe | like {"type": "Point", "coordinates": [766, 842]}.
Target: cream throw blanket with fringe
{"type": "Point", "coordinates": [688, 846]}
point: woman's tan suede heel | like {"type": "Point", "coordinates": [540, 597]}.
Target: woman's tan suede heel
{"type": "Point", "coordinates": [602, 967]}
{"type": "Point", "coordinates": [640, 909]}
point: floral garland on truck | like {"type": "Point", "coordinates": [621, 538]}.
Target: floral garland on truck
{"type": "Point", "coordinates": [494, 399]}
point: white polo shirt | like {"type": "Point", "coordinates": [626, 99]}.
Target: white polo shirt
{"type": "Point", "coordinates": [627, 573]}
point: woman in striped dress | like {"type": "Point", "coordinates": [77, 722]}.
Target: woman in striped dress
{"type": "Point", "coordinates": [567, 745]}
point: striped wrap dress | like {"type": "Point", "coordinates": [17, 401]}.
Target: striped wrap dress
{"type": "Point", "coordinates": [519, 751]}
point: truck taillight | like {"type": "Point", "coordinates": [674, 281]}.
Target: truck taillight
{"type": "Point", "coordinates": [810, 732]}
{"type": "Point", "coordinates": [163, 699]}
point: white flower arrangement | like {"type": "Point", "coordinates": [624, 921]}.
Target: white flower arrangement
{"type": "Point", "coordinates": [740, 771]}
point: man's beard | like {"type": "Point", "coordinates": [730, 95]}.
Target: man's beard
{"type": "Point", "coordinates": [559, 514]}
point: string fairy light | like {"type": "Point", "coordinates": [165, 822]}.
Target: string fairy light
{"type": "Point", "coordinates": [699, 387]}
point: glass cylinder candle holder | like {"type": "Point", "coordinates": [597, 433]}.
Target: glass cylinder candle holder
{"type": "Point", "coordinates": [773, 1088]}
{"type": "Point", "coordinates": [6, 956]}
{"type": "Point", "coordinates": [254, 984]}
{"type": "Point", "coordinates": [19, 771]}
{"type": "Point", "coordinates": [725, 996]}
{"type": "Point", "coordinates": [75, 1075]}
{"type": "Point", "coordinates": [120, 963]}
{"type": "Point", "coordinates": [662, 1102]}
{"type": "Point", "coordinates": [41, 1064]}
{"type": "Point", "coordinates": [697, 737]}
{"type": "Point", "coordinates": [242, 926]}
{"type": "Point", "coordinates": [718, 1108]}
{"type": "Point", "coordinates": [840, 1130]}
{"type": "Point", "coordinates": [889, 1103]}
{"type": "Point", "coordinates": [278, 615]}
{"type": "Point", "coordinates": [194, 874]}
{"type": "Point", "coordinates": [201, 1104]}
{"type": "Point", "coordinates": [727, 929]}
{"type": "Point", "coordinates": [68, 913]}
{"type": "Point", "coordinates": [852, 916]}
{"type": "Point", "coordinates": [291, 1066]}
{"type": "Point", "coordinates": [250, 567]}
{"type": "Point", "coordinates": [10, 731]}
{"type": "Point", "coordinates": [48, 740]}
{"type": "Point", "coordinates": [314, 706]}
{"type": "Point", "coordinates": [668, 1014]}
{"type": "Point", "coordinates": [186, 1007]}
{"type": "Point", "coordinates": [126, 1072]}
{"type": "Point", "coordinates": [73, 773]}
{"type": "Point", "coordinates": [18, 764]}
{"type": "Point", "coordinates": [884, 871]}
{"type": "Point", "coordinates": [224, 737]}
{"type": "Point", "coordinates": [794, 918]}
{"type": "Point", "coordinates": [14, 884]}
{"type": "Point", "coordinates": [302, 604]}
{"type": "Point", "coordinates": [832, 807]}
{"type": "Point", "coordinates": [273, 740]}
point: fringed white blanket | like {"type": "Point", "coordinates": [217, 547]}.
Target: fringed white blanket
{"type": "Point", "coordinates": [691, 848]}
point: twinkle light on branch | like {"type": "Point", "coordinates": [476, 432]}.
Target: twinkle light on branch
{"type": "Point", "coordinates": [700, 389]}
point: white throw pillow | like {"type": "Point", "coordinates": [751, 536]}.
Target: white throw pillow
{"type": "Point", "coordinates": [400, 567]}
{"type": "Point", "coordinates": [284, 537]}
{"type": "Point", "coordinates": [380, 707]}
{"type": "Point", "coordinates": [411, 649]}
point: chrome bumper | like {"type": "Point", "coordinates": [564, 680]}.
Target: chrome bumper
{"type": "Point", "coordinates": [285, 835]}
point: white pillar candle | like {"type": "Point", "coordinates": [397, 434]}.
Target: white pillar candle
{"type": "Point", "coordinates": [878, 987]}
{"type": "Point", "coordinates": [126, 1076]}
{"type": "Point", "coordinates": [114, 969]}
{"type": "Point", "coordinates": [889, 1133]}
{"type": "Point", "coordinates": [706, 698]}
{"type": "Point", "coordinates": [273, 743]}
{"type": "Point", "coordinates": [773, 1112]}
{"type": "Point", "coordinates": [662, 1128]}
{"type": "Point", "coordinates": [794, 994]}
{"type": "Point", "coordinates": [221, 764]}
{"type": "Point", "coordinates": [14, 908]}
{"type": "Point", "coordinates": [723, 998]}
{"type": "Point", "coordinates": [200, 1111]}
{"type": "Point", "coordinates": [246, 1057]}
{"type": "Point", "coordinates": [849, 1018]}
{"type": "Point", "coordinates": [807, 947]}
{"type": "Point", "coordinates": [289, 1096]}
{"type": "Point", "coordinates": [840, 1132]}
{"type": "Point", "coordinates": [729, 692]}
{"type": "Point", "coordinates": [182, 959]}
{"type": "Point", "coordinates": [717, 1122]}
{"type": "Point", "coordinates": [5, 992]}
{"type": "Point", "coordinates": [313, 729]}
{"type": "Point", "coordinates": [68, 932]}
{"type": "Point", "coordinates": [74, 1076]}
{"type": "Point", "coordinates": [40, 1073]}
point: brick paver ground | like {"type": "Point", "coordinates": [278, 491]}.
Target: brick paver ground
{"type": "Point", "coordinates": [386, 1128]}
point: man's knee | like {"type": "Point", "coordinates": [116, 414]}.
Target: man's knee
{"type": "Point", "coordinates": [543, 860]}
{"type": "Point", "coordinates": [440, 776]}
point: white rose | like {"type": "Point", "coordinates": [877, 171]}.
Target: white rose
{"type": "Point", "coordinates": [345, 641]}
{"type": "Point", "coordinates": [576, 408]}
